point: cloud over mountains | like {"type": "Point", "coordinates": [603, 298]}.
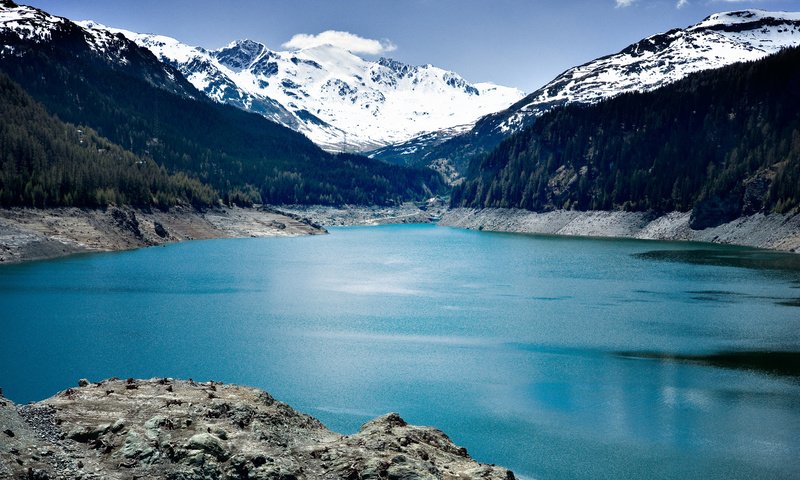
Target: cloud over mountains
{"type": "Point", "coordinates": [346, 40]}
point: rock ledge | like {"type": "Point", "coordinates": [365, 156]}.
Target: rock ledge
{"type": "Point", "coordinates": [184, 430]}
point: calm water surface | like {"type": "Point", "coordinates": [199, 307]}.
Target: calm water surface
{"type": "Point", "coordinates": [527, 350]}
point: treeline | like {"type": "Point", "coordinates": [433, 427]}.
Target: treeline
{"type": "Point", "coordinates": [45, 162]}
{"type": "Point", "coordinates": [721, 143]}
{"type": "Point", "coordinates": [245, 157]}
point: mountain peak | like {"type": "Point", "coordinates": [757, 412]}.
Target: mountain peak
{"type": "Point", "coordinates": [335, 97]}
{"type": "Point", "coordinates": [752, 15]}
{"type": "Point", "coordinates": [246, 44]}
{"type": "Point", "coordinates": [239, 54]}
{"type": "Point", "coordinates": [653, 62]}
{"type": "Point", "coordinates": [327, 52]}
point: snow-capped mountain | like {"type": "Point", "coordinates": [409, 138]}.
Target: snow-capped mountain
{"type": "Point", "coordinates": [719, 40]}
{"type": "Point", "coordinates": [24, 29]}
{"type": "Point", "coordinates": [339, 100]}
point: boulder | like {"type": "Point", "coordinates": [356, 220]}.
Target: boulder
{"type": "Point", "coordinates": [208, 443]}
{"type": "Point", "coordinates": [136, 446]}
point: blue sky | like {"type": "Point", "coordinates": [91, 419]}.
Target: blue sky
{"type": "Point", "coordinates": [520, 43]}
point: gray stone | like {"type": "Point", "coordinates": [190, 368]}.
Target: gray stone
{"type": "Point", "coordinates": [208, 443]}
{"type": "Point", "coordinates": [408, 472]}
{"type": "Point", "coordinates": [118, 426]}
{"type": "Point", "coordinates": [136, 446]}
{"type": "Point", "coordinates": [154, 426]}
{"type": "Point", "coordinates": [86, 434]}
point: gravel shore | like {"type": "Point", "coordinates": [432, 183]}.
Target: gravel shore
{"type": "Point", "coordinates": [355, 215]}
{"type": "Point", "coordinates": [773, 231]}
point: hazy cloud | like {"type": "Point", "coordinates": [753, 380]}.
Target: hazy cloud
{"type": "Point", "coordinates": [624, 3]}
{"type": "Point", "coordinates": [346, 40]}
{"type": "Point", "coordinates": [682, 3]}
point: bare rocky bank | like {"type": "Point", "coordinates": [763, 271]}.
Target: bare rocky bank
{"type": "Point", "coordinates": [33, 234]}
{"type": "Point", "coordinates": [184, 430]}
{"type": "Point", "coordinates": [354, 215]}
{"type": "Point", "coordinates": [774, 231]}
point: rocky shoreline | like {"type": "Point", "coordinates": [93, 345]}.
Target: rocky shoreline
{"type": "Point", "coordinates": [34, 234]}
{"type": "Point", "coordinates": [186, 430]}
{"type": "Point", "coordinates": [773, 231]}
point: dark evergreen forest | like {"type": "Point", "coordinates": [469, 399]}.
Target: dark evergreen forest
{"type": "Point", "coordinates": [45, 162]}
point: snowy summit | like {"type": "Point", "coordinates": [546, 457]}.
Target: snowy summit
{"type": "Point", "coordinates": [338, 99]}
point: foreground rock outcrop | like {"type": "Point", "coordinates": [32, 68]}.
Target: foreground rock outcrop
{"type": "Point", "coordinates": [183, 430]}
{"type": "Point", "coordinates": [774, 231]}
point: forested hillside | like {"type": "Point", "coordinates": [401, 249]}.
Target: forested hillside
{"type": "Point", "coordinates": [47, 163]}
{"type": "Point", "coordinates": [721, 143]}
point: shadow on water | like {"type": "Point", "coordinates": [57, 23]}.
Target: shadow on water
{"type": "Point", "coordinates": [734, 257]}
{"type": "Point", "coordinates": [724, 296]}
{"type": "Point", "coordinates": [786, 265]}
{"type": "Point", "coordinates": [776, 363]}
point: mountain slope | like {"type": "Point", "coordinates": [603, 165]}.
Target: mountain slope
{"type": "Point", "coordinates": [47, 163]}
{"type": "Point", "coordinates": [656, 61]}
{"type": "Point", "coordinates": [125, 93]}
{"type": "Point", "coordinates": [337, 99]}
{"type": "Point", "coordinates": [722, 143]}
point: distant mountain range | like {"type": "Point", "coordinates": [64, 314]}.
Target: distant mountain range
{"type": "Point", "coordinates": [656, 61]}
{"type": "Point", "coordinates": [336, 98]}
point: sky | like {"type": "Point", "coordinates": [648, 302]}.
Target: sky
{"type": "Point", "coordinates": [518, 43]}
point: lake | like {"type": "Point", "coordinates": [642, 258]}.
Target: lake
{"type": "Point", "coordinates": [556, 357]}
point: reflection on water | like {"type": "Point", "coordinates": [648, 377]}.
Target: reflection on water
{"type": "Point", "coordinates": [739, 257]}
{"type": "Point", "coordinates": [778, 363]}
{"type": "Point", "coordinates": [509, 343]}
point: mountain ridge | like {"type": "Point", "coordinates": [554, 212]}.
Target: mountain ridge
{"type": "Point", "coordinates": [655, 61]}
{"type": "Point", "coordinates": [336, 98]}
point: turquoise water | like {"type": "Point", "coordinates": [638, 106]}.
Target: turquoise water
{"type": "Point", "coordinates": [533, 352]}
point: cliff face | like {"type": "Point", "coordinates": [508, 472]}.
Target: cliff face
{"type": "Point", "coordinates": [182, 430]}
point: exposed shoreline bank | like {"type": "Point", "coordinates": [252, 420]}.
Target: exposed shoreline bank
{"type": "Point", "coordinates": [348, 216]}
{"type": "Point", "coordinates": [28, 234]}
{"type": "Point", "coordinates": [773, 231]}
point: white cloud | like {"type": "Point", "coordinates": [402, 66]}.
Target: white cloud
{"type": "Point", "coordinates": [346, 40]}
{"type": "Point", "coordinates": [624, 3]}
{"type": "Point", "coordinates": [682, 3]}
